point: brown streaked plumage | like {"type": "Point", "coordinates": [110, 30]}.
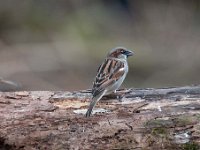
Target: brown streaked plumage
{"type": "Point", "coordinates": [110, 75]}
{"type": "Point", "coordinates": [106, 76]}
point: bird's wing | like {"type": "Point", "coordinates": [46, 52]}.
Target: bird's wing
{"type": "Point", "coordinates": [108, 73]}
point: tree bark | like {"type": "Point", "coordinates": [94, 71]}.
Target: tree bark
{"type": "Point", "coordinates": [165, 118]}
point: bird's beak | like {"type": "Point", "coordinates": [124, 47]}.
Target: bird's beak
{"type": "Point", "coordinates": [129, 53]}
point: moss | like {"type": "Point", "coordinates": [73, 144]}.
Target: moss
{"type": "Point", "coordinates": [159, 131]}
{"type": "Point", "coordinates": [191, 146]}
{"type": "Point", "coordinates": [197, 116]}
{"type": "Point", "coordinates": [158, 123]}
{"type": "Point", "coordinates": [184, 120]}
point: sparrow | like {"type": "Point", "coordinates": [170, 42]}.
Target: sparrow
{"type": "Point", "coordinates": [110, 75]}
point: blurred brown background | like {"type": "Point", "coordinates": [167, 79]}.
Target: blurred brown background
{"type": "Point", "coordinates": [59, 44]}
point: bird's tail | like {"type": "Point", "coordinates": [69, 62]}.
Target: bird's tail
{"type": "Point", "coordinates": [93, 103]}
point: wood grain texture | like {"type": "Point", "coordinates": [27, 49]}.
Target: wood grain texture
{"type": "Point", "coordinates": [165, 118]}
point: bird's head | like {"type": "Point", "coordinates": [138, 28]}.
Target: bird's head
{"type": "Point", "coordinates": [120, 52]}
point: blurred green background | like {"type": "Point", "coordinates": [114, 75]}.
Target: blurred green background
{"type": "Point", "coordinates": [59, 44]}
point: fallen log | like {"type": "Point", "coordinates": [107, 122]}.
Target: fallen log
{"type": "Point", "coordinates": [164, 118]}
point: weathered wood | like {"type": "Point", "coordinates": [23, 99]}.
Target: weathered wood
{"type": "Point", "coordinates": [165, 118]}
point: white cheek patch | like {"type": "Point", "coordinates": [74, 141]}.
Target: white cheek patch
{"type": "Point", "coordinates": [122, 56]}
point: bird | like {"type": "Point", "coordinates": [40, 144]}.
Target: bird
{"type": "Point", "coordinates": [110, 75]}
